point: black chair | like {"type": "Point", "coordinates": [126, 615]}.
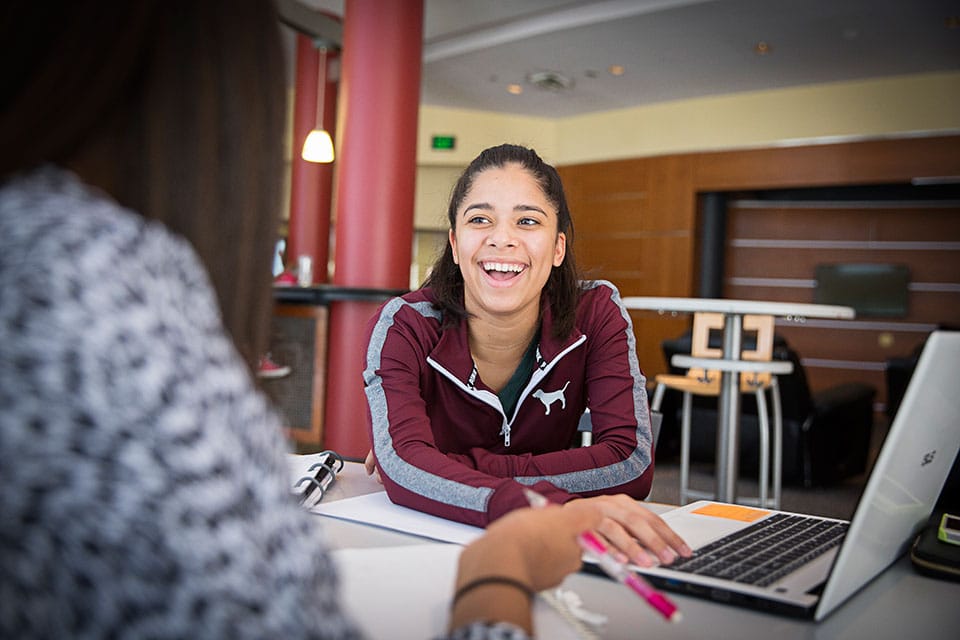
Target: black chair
{"type": "Point", "coordinates": [826, 436]}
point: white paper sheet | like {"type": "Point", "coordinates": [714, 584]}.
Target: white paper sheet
{"type": "Point", "coordinates": [401, 593]}
{"type": "Point", "coordinates": [377, 510]}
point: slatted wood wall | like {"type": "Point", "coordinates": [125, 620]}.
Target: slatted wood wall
{"type": "Point", "coordinates": [773, 248]}
{"type": "Point", "coordinates": [637, 224]}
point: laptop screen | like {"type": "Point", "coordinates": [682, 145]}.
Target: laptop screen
{"type": "Point", "coordinates": [910, 471]}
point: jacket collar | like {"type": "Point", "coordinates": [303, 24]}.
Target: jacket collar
{"type": "Point", "coordinates": [452, 351]}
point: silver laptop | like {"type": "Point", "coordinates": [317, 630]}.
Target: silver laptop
{"type": "Point", "coordinates": [830, 559]}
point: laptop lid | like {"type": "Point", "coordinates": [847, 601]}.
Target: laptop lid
{"type": "Point", "coordinates": [897, 500]}
{"type": "Point", "coordinates": [909, 473]}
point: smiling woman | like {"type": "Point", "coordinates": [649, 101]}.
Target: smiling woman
{"type": "Point", "coordinates": [476, 382]}
{"type": "Point", "coordinates": [506, 243]}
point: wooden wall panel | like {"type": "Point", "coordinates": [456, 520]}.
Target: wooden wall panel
{"type": "Point", "coordinates": [672, 201]}
{"type": "Point", "coordinates": [850, 163]}
{"type": "Point", "coordinates": [928, 266]}
{"type": "Point", "coordinates": [921, 223]}
{"type": "Point", "coordinates": [884, 222]}
{"type": "Point", "coordinates": [884, 343]}
{"type": "Point", "coordinates": [636, 224]}
{"type": "Point", "coordinates": [942, 308]}
{"type": "Point", "coordinates": [769, 241]}
{"type": "Point", "coordinates": [650, 331]}
{"type": "Point", "coordinates": [774, 294]}
{"type": "Point", "coordinates": [609, 253]}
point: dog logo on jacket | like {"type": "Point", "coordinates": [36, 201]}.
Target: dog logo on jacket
{"type": "Point", "coordinates": [549, 397]}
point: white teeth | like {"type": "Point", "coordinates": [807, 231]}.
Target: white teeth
{"type": "Point", "coordinates": [500, 266]}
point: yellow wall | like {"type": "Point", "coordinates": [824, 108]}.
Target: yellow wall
{"type": "Point", "coordinates": [903, 105]}
{"type": "Point", "coordinates": [477, 130]}
{"type": "Point", "coordinates": [865, 109]}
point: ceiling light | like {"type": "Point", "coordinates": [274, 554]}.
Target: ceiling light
{"type": "Point", "coordinates": [515, 89]}
{"type": "Point", "coordinates": [318, 147]}
{"type": "Point", "coordinates": [616, 69]}
{"type": "Point", "coordinates": [761, 48]}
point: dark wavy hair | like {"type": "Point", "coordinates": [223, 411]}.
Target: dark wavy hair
{"type": "Point", "coordinates": [562, 290]}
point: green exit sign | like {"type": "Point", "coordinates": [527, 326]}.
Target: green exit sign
{"type": "Point", "coordinates": [443, 142]}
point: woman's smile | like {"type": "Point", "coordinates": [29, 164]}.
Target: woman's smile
{"type": "Point", "coordinates": [503, 271]}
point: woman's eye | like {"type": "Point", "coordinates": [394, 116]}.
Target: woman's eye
{"type": "Point", "coordinates": [478, 220]}
{"type": "Point", "coordinates": [529, 221]}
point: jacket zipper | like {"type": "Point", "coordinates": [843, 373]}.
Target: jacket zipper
{"type": "Point", "coordinates": [491, 399]}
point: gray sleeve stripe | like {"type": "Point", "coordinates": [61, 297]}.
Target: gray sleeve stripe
{"type": "Point", "coordinates": [632, 467]}
{"type": "Point", "coordinates": [406, 475]}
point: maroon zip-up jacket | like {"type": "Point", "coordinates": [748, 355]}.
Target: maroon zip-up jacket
{"type": "Point", "coordinates": [443, 444]}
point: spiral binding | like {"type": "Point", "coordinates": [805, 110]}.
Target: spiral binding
{"type": "Point", "coordinates": [326, 473]}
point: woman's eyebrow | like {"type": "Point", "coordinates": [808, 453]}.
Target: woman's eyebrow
{"type": "Point", "coordinates": [483, 206]}
{"type": "Point", "coordinates": [486, 206]}
{"type": "Point", "coordinates": [529, 207]}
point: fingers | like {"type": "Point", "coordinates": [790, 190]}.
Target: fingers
{"type": "Point", "coordinates": [623, 545]}
{"type": "Point", "coordinates": [370, 466]}
{"type": "Point", "coordinates": [370, 463]}
{"type": "Point", "coordinates": [638, 533]}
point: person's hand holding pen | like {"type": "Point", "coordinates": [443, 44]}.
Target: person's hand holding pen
{"type": "Point", "coordinates": [615, 567]}
{"type": "Point", "coordinates": [522, 553]}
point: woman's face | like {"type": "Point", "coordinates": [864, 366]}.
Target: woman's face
{"type": "Point", "coordinates": [506, 242]}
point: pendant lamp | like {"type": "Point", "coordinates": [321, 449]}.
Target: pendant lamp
{"type": "Point", "coordinates": [318, 147]}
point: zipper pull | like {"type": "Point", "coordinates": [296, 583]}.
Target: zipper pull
{"type": "Point", "coordinates": [505, 432]}
{"type": "Point", "coordinates": [472, 380]}
{"type": "Point", "coordinates": [541, 363]}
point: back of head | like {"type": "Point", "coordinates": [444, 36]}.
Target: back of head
{"type": "Point", "coordinates": [175, 108]}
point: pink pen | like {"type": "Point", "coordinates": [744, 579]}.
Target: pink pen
{"type": "Point", "coordinates": [617, 570]}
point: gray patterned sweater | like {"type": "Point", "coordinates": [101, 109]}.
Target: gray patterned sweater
{"type": "Point", "coordinates": [143, 484]}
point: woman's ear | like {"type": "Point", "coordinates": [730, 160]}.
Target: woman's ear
{"type": "Point", "coordinates": [561, 249]}
{"type": "Point", "coordinates": [453, 246]}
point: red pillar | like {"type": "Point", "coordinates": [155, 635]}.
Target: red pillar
{"type": "Point", "coordinates": [376, 176]}
{"type": "Point", "coordinates": [311, 184]}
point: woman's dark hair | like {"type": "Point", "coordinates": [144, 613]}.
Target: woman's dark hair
{"type": "Point", "coordinates": [177, 108]}
{"type": "Point", "coordinates": [562, 290]}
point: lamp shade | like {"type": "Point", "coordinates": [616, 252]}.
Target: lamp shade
{"type": "Point", "coordinates": [318, 147]}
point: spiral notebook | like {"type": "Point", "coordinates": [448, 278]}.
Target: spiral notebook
{"type": "Point", "coordinates": [313, 474]}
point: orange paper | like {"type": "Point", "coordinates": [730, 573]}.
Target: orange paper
{"type": "Point", "coordinates": [731, 512]}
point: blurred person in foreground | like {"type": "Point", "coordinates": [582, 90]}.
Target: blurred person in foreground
{"type": "Point", "coordinates": [143, 482]}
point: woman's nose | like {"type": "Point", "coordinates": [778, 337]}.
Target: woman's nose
{"type": "Point", "coordinates": [502, 235]}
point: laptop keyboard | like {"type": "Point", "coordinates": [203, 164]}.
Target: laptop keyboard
{"type": "Point", "coordinates": [766, 551]}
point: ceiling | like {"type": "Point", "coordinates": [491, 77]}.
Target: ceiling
{"type": "Point", "coordinates": [669, 49]}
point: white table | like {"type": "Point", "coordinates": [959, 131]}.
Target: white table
{"type": "Point", "coordinates": [898, 603]}
{"type": "Point", "coordinates": [728, 427]}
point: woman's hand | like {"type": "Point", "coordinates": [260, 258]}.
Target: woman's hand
{"type": "Point", "coordinates": [535, 547]}
{"type": "Point", "coordinates": [370, 465]}
{"type": "Point", "coordinates": [635, 532]}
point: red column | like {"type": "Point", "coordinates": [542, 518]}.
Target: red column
{"type": "Point", "coordinates": [311, 184]}
{"type": "Point", "coordinates": [376, 176]}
